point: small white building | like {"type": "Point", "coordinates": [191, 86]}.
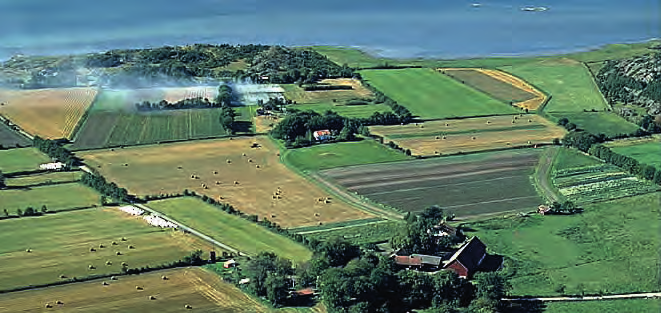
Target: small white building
{"type": "Point", "coordinates": [55, 166]}
{"type": "Point", "coordinates": [321, 135]}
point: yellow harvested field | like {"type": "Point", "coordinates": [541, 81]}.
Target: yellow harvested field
{"type": "Point", "coordinates": [531, 104]}
{"type": "Point", "coordinates": [49, 113]}
{"type": "Point", "coordinates": [471, 134]}
{"type": "Point", "coordinates": [251, 179]}
{"type": "Point", "coordinates": [301, 96]}
{"type": "Point", "coordinates": [202, 290]}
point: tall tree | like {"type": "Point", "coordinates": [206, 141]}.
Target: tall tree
{"type": "Point", "coordinates": [2, 180]}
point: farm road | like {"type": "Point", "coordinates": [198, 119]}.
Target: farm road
{"type": "Point", "coordinates": [542, 175]}
{"type": "Point", "coordinates": [589, 298]}
{"type": "Point", "coordinates": [338, 228]}
{"type": "Point", "coordinates": [190, 230]}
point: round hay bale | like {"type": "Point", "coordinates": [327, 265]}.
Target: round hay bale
{"type": "Point", "coordinates": [28, 250]}
{"type": "Point", "coordinates": [124, 264]}
{"type": "Point", "coordinates": [126, 164]}
{"type": "Point", "coordinates": [131, 247]}
{"type": "Point", "coordinates": [114, 243]}
{"type": "Point", "coordinates": [101, 246]}
{"type": "Point", "coordinates": [118, 253]}
{"type": "Point", "coordinates": [272, 215]}
{"type": "Point", "coordinates": [138, 288]}
{"type": "Point", "coordinates": [229, 161]}
{"type": "Point", "coordinates": [188, 306]}
{"type": "Point", "coordinates": [59, 302]}
{"type": "Point", "coordinates": [422, 126]}
{"type": "Point", "coordinates": [447, 124]}
{"type": "Point", "coordinates": [249, 160]}
{"type": "Point", "coordinates": [62, 276]}
{"type": "Point", "coordinates": [104, 283]}
{"type": "Point", "coordinates": [437, 137]}
{"type": "Point", "coordinates": [164, 277]}
{"type": "Point", "coordinates": [236, 182]}
{"type": "Point", "coordinates": [243, 154]}
{"type": "Point", "coordinates": [108, 263]}
{"type": "Point", "coordinates": [277, 154]}
{"type": "Point", "coordinates": [48, 306]}
{"type": "Point", "coordinates": [473, 137]}
{"type": "Point", "coordinates": [444, 137]}
{"type": "Point", "coordinates": [179, 167]}
{"type": "Point", "coordinates": [257, 166]}
{"type": "Point", "coordinates": [513, 122]}
{"type": "Point", "coordinates": [113, 278]}
{"type": "Point", "coordinates": [529, 121]}
{"type": "Point", "coordinates": [435, 152]}
{"type": "Point", "coordinates": [123, 238]}
{"type": "Point", "coordinates": [215, 172]}
{"type": "Point", "coordinates": [320, 223]}
{"type": "Point", "coordinates": [488, 122]}
{"type": "Point", "coordinates": [316, 214]}
{"type": "Point", "coordinates": [529, 142]}
{"type": "Point", "coordinates": [91, 267]}
{"type": "Point", "coordinates": [92, 250]}
{"type": "Point", "coordinates": [152, 298]}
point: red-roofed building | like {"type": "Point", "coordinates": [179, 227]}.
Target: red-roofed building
{"type": "Point", "coordinates": [408, 261]}
{"type": "Point", "coordinates": [321, 135]}
{"type": "Point", "coordinates": [468, 258]}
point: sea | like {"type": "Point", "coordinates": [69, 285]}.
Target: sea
{"type": "Point", "coordinates": [389, 28]}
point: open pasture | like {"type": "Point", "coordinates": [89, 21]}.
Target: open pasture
{"type": "Point", "coordinates": [499, 85]}
{"type": "Point", "coordinates": [611, 248]}
{"type": "Point", "coordinates": [567, 81]}
{"type": "Point", "coordinates": [605, 306]}
{"type": "Point", "coordinates": [607, 123]}
{"type": "Point", "coordinates": [43, 178]}
{"type": "Point", "coordinates": [112, 121]}
{"type": "Point", "coordinates": [231, 230]}
{"type": "Point", "coordinates": [250, 183]}
{"type": "Point", "coordinates": [49, 113]}
{"type": "Point", "coordinates": [647, 151]}
{"type": "Point", "coordinates": [432, 95]}
{"type": "Point", "coordinates": [473, 134]}
{"type": "Point", "coordinates": [55, 197]}
{"type": "Point", "coordinates": [203, 290]}
{"type": "Point", "coordinates": [465, 185]}
{"type": "Point", "coordinates": [10, 138]}
{"type": "Point", "coordinates": [19, 160]}
{"type": "Point", "coordinates": [61, 244]}
{"type": "Point", "coordinates": [327, 156]}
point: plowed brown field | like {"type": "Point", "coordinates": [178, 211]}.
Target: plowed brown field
{"type": "Point", "coordinates": [49, 113]}
{"type": "Point", "coordinates": [221, 166]}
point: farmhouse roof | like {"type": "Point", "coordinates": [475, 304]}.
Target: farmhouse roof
{"type": "Point", "coordinates": [445, 229]}
{"type": "Point", "coordinates": [428, 259]}
{"type": "Point", "coordinates": [406, 260]}
{"type": "Point", "coordinates": [323, 132]}
{"type": "Point", "coordinates": [470, 254]}
{"type": "Point", "coordinates": [304, 292]}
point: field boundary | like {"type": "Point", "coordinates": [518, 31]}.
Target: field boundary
{"type": "Point", "coordinates": [167, 142]}
{"type": "Point", "coordinates": [542, 175]}
{"type": "Point", "coordinates": [83, 118]}
{"type": "Point", "coordinates": [594, 83]}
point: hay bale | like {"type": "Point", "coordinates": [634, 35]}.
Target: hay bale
{"type": "Point", "coordinates": [488, 122]}
{"type": "Point", "coordinates": [59, 302]}
{"type": "Point", "coordinates": [188, 306]}
{"type": "Point", "coordinates": [473, 137]}
{"type": "Point", "coordinates": [229, 161]}
{"type": "Point", "coordinates": [113, 278]}
{"type": "Point", "coordinates": [118, 253]}
{"type": "Point", "coordinates": [277, 154]}
{"type": "Point", "coordinates": [243, 154]}
{"type": "Point", "coordinates": [62, 276]}
{"type": "Point", "coordinates": [101, 246]}
{"type": "Point", "coordinates": [326, 201]}
{"type": "Point", "coordinates": [108, 263]}
{"type": "Point", "coordinates": [236, 182]}
{"type": "Point", "coordinates": [92, 250]}
{"type": "Point", "coordinates": [257, 166]}
{"type": "Point", "coordinates": [320, 223]}
{"type": "Point", "coordinates": [131, 247]}
{"type": "Point", "coordinates": [104, 283]}
{"type": "Point", "coordinates": [123, 238]}
{"type": "Point", "coordinates": [124, 264]}
{"type": "Point", "coordinates": [529, 142]}
{"type": "Point", "coordinates": [272, 215]}
{"type": "Point", "coordinates": [435, 152]}
{"type": "Point", "coordinates": [179, 167]}
{"type": "Point", "coordinates": [28, 250]}
{"type": "Point", "coordinates": [316, 214]}
{"type": "Point", "coordinates": [138, 288]}
{"type": "Point", "coordinates": [152, 298]}
{"type": "Point", "coordinates": [91, 267]}
{"type": "Point", "coordinates": [446, 124]}
{"type": "Point", "coordinates": [215, 172]}
{"type": "Point", "coordinates": [249, 160]}
{"type": "Point", "coordinates": [437, 137]}
{"type": "Point", "coordinates": [48, 306]}
{"type": "Point", "coordinates": [164, 277]}
{"type": "Point", "coordinates": [529, 121]}
{"type": "Point", "coordinates": [114, 243]}
{"type": "Point", "coordinates": [513, 122]}
{"type": "Point", "coordinates": [444, 137]}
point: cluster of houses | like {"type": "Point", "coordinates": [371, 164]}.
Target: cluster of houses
{"type": "Point", "coordinates": [464, 262]}
{"type": "Point", "coordinates": [131, 210]}
{"type": "Point", "coordinates": [159, 221]}
{"type": "Point", "coordinates": [54, 166]}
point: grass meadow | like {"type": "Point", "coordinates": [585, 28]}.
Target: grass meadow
{"type": "Point", "coordinates": [229, 229]}
{"type": "Point", "coordinates": [43, 178]}
{"type": "Point", "coordinates": [572, 158]}
{"type": "Point", "coordinates": [54, 197]}
{"type": "Point", "coordinates": [60, 245]}
{"type": "Point", "coordinates": [432, 95]}
{"type": "Point", "coordinates": [605, 306]}
{"type": "Point", "coordinates": [567, 81]}
{"type": "Point", "coordinates": [607, 123]}
{"type": "Point", "coordinates": [648, 152]}
{"type": "Point", "coordinates": [611, 248]}
{"type": "Point", "coordinates": [321, 157]}
{"type": "Point", "coordinates": [23, 159]}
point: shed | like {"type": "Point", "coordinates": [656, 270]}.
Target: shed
{"type": "Point", "coordinates": [229, 263]}
{"type": "Point", "coordinates": [429, 260]}
{"type": "Point", "coordinates": [468, 258]}
{"type": "Point", "coordinates": [408, 261]}
{"type": "Point", "coordinates": [244, 281]}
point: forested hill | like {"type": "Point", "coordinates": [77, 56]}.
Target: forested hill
{"type": "Point", "coordinates": [634, 82]}
{"type": "Point", "coordinates": [177, 64]}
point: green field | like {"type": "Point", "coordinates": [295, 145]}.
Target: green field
{"type": "Point", "coordinates": [54, 197]}
{"type": "Point", "coordinates": [568, 82]}
{"type": "Point", "coordinates": [43, 178]}
{"type": "Point", "coordinates": [24, 159]}
{"type": "Point", "coordinates": [335, 100]}
{"type": "Point", "coordinates": [327, 156]}
{"type": "Point", "coordinates": [356, 111]}
{"type": "Point", "coordinates": [229, 229]}
{"type": "Point", "coordinates": [60, 245]}
{"type": "Point", "coordinates": [607, 123]}
{"type": "Point", "coordinates": [431, 95]}
{"type": "Point", "coordinates": [571, 158]}
{"type": "Point", "coordinates": [605, 306]}
{"type": "Point", "coordinates": [647, 152]}
{"type": "Point", "coordinates": [373, 232]}
{"type": "Point", "coordinates": [613, 247]}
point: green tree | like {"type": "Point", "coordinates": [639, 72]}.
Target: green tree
{"type": "Point", "coordinates": [260, 267]}
{"type": "Point", "coordinates": [337, 251]}
{"type": "Point", "coordinates": [277, 288]}
{"type": "Point", "coordinates": [19, 212]}
{"type": "Point", "coordinates": [2, 180]}
{"type": "Point", "coordinates": [6, 213]}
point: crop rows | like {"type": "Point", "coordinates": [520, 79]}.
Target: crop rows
{"type": "Point", "coordinates": [599, 183]}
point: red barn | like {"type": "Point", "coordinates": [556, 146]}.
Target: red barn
{"type": "Point", "coordinates": [468, 258]}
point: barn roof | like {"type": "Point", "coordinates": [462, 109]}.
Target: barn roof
{"type": "Point", "coordinates": [408, 260]}
{"type": "Point", "coordinates": [428, 259]}
{"type": "Point", "coordinates": [321, 132]}
{"type": "Point", "coordinates": [470, 254]}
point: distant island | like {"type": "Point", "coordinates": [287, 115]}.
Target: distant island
{"type": "Point", "coordinates": [534, 9]}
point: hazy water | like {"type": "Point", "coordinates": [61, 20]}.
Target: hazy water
{"type": "Point", "coordinates": [412, 28]}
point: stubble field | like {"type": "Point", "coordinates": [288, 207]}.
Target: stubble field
{"type": "Point", "coordinates": [19, 160]}
{"type": "Point", "coordinates": [56, 197]}
{"type": "Point", "coordinates": [249, 182]}
{"type": "Point", "coordinates": [473, 134]}
{"type": "Point", "coordinates": [49, 113]}
{"type": "Point", "coordinates": [61, 243]}
{"type": "Point", "coordinates": [10, 138]}
{"type": "Point", "coordinates": [499, 85]}
{"type": "Point", "coordinates": [465, 185]}
{"type": "Point", "coordinates": [202, 290]}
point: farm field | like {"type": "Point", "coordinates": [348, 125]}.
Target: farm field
{"type": "Point", "coordinates": [605, 306]}
{"type": "Point", "coordinates": [327, 156]}
{"type": "Point", "coordinates": [612, 247]}
{"type": "Point", "coordinates": [229, 229]}
{"type": "Point", "coordinates": [432, 95]}
{"type": "Point", "coordinates": [60, 244]}
{"type": "Point", "coordinates": [54, 197]}
{"type": "Point", "coordinates": [113, 122]}
{"type": "Point", "coordinates": [607, 123]}
{"type": "Point", "coordinates": [499, 85]}
{"type": "Point", "coordinates": [567, 81]}
{"type": "Point", "coordinates": [49, 113]}
{"type": "Point", "coordinates": [203, 290]}
{"type": "Point", "coordinates": [571, 158]}
{"type": "Point", "coordinates": [646, 151]}
{"type": "Point", "coordinates": [10, 138]}
{"type": "Point", "coordinates": [472, 134]}
{"type": "Point", "coordinates": [43, 178]}
{"type": "Point", "coordinates": [464, 185]}
{"type": "Point", "coordinates": [154, 170]}
{"type": "Point", "coordinates": [356, 111]}
{"type": "Point", "coordinates": [19, 160]}
{"type": "Point", "coordinates": [374, 232]}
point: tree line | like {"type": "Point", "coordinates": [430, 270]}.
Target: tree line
{"type": "Point", "coordinates": [55, 149]}
{"type": "Point", "coordinates": [99, 183]}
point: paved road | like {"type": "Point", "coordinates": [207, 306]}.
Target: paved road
{"type": "Point", "coordinates": [589, 298]}
{"type": "Point", "coordinates": [189, 230]}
